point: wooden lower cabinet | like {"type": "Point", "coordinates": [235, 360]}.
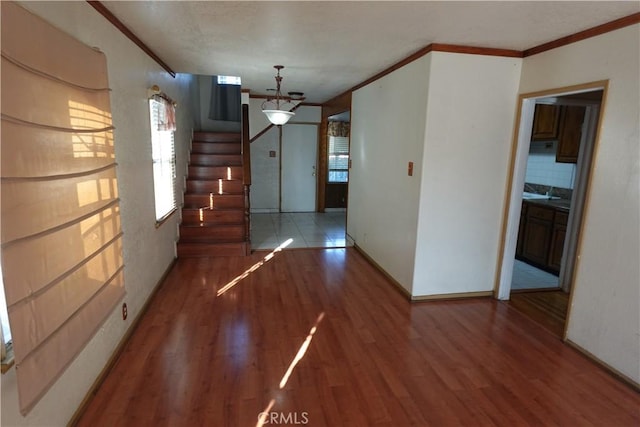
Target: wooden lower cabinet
{"type": "Point", "coordinates": [541, 236]}
{"type": "Point", "coordinates": [523, 222]}
{"type": "Point", "coordinates": [537, 236]}
{"type": "Point", "coordinates": [336, 195]}
{"type": "Point", "coordinates": [557, 240]}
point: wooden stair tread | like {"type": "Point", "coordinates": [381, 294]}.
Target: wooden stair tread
{"type": "Point", "coordinates": [215, 159]}
{"type": "Point", "coordinates": [217, 136]}
{"type": "Point", "coordinates": [199, 172]}
{"type": "Point", "coordinates": [215, 169]}
{"type": "Point", "coordinates": [203, 147]}
{"type": "Point", "coordinates": [203, 250]}
{"type": "Point", "coordinates": [212, 226]}
{"type": "Point", "coordinates": [212, 216]}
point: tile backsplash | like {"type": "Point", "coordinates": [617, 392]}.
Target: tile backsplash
{"type": "Point", "coordinates": [542, 168]}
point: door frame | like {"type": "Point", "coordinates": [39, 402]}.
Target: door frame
{"type": "Point", "coordinates": [337, 105]}
{"type": "Point", "coordinates": [515, 183]}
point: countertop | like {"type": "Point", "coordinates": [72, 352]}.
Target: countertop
{"type": "Point", "coordinates": [561, 204]}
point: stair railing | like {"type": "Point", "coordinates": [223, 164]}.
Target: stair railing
{"type": "Point", "coordinates": [246, 175]}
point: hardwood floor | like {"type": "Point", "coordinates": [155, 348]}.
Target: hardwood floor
{"type": "Point", "coordinates": [372, 358]}
{"type": "Point", "coordinates": [548, 308]}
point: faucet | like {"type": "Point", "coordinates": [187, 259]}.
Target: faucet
{"type": "Point", "coordinates": [550, 192]}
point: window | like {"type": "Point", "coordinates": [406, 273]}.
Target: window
{"type": "Point", "coordinates": [4, 319]}
{"type": "Point", "coordinates": [229, 80]}
{"type": "Point", "coordinates": [164, 158]}
{"type": "Point", "coordinates": [338, 159]}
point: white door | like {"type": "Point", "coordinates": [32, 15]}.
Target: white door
{"type": "Point", "coordinates": [298, 174]}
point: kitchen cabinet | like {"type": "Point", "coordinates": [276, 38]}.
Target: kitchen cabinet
{"type": "Point", "coordinates": [570, 134]}
{"type": "Point", "coordinates": [336, 195]}
{"type": "Point", "coordinates": [541, 235]}
{"type": "Point", "coordinates": [537, 234]}
{"type": "Point", "coordinates": [523, 221]}
{"type": "Point", "coordinates": [557, 240]}
{"type": "Point", "coordinates": [546, 122]}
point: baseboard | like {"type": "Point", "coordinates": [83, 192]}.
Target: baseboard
{"type": "Point", "coordinates": [418, 298]}
{"type": "Point", "coordinates": [118, 350]}
{"type": "Point", "coordinates": [611, 370]}
{"type": "Point", "coordinates": [258, 211]}
{"type": "Point", "coordinates": [459, 295]}
{"type": "Point", "coordinates": [335, 209]}
{"type": "Point", "coordinates": [393, 281]}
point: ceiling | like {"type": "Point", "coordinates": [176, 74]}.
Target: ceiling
{"type": "Point", "coordinates": [328, 47]}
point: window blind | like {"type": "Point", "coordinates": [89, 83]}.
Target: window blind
{"type": "Point", "coordinates": [338, 159]}
{"type": "Point", "coordinates": [61, 236]}
{"type": "Point", "coordinates": [164, 158]}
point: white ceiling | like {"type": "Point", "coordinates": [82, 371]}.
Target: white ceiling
{"type": "Point", "coordinates": [328, 47]}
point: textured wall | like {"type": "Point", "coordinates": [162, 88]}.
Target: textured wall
{"type": "Point", "coordinates": [387, 131]}
{"type": "Point", "coordinates": [605, 313]}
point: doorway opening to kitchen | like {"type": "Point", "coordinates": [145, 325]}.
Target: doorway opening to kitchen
{"type": "Point", "coordinates": [550, 179]}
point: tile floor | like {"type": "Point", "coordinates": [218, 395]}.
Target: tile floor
{"type": "Point", "coordinates": [307, 229]}
{"type": "Point", "coordinates": [526, 276]}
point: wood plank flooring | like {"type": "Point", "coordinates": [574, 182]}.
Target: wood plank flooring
{"type": "Point", "coordinates": [548, 308]}
{"type": "Point", "coordinates": [372, 358]}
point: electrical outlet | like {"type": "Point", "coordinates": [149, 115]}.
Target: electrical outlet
{"type": "Point", "coordinates": [272, 153]}
{"type": "Point", "coordinates": [124, 311]}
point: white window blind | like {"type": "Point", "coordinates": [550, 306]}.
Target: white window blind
{"type": "Point", "coordinates": [62, 265]}
{"type": "Point", "coordinates": [338, 159]}
{"type": "Point", "coordinates": [164, 161]}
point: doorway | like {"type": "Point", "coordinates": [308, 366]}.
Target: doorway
{"type": "Point", "coordinates": [337, 160]}
{"type": "Point", "coordinates": [545, 212]}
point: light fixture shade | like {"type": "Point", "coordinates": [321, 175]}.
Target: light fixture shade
{"type": "Point", "coordinates": [274, 108]}
{"type": "Point", "coordinates": [278, 117]}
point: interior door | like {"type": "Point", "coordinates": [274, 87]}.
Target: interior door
{"type": "Point", "coordinates": [298, 173]}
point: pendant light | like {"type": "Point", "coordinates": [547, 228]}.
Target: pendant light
{"type": "Point", "coordinates": [274, 108]}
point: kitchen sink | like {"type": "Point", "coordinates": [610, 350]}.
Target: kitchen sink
{"type": "Point", "coordinates": [532, 196]}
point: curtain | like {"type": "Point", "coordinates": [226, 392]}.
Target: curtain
{"type": "Point", "coordinates": [61, 236]}
{"type": "Point", "coordinates": [166, 119]}
{"type": "Point", "coordinates": [226, 102]}
{"type": "Point", "coordinates": [339, 129]}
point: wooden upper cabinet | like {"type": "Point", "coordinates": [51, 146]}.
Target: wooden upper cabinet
{"type": "Point", "coordinates": [570, 134]}
{"type": "Point", "coordinates": [546, 122]}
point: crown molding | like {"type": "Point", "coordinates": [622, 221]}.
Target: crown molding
{"type": "Point", "coordinates": [102, 9]}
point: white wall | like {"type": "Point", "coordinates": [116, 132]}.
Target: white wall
{"type": "Point", "coordinates": [470, 116]}
{"type": "Point", "coordinates": [605, 312]}
{"type": "Point", "coordinates": [307, 114]}
{"type": "Point", "coordinates": [147, 251]}
{"type": "Point", "coordinates": [265, 170]}
{"type": "Point", "coordinates": [265, 173]}
{"type": "Point", "coordinates": [387, 132]}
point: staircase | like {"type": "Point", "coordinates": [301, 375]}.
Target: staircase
{"type": "Point", "coordinates": [215, 214]}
